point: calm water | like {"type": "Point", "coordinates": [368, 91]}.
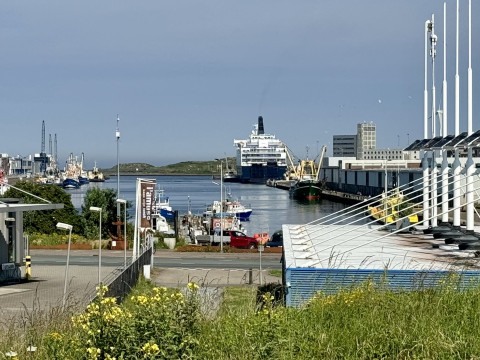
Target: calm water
{"type": "Point", "coordinates": [271, 207]}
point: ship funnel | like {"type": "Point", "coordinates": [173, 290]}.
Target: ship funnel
{"type": "Point", "coordinates": [260, 126]}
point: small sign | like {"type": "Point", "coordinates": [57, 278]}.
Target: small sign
{"type": "Point", "coordinates": [114, 243]}
{"type": "Point", "coordinates": [261, 248]}
{"type": "Point", "coordinates": [8, 266]}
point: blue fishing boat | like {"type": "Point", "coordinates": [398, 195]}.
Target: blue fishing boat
{"type": "Point", "coordinates": [70, 183]}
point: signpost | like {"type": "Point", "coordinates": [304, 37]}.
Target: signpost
{"type": "Point", "coordinates": [260, 250]}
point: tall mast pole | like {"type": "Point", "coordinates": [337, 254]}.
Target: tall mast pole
{"type": "Point", "coordinates": [456, 162]}
{"type": "Point", "coordinates": [444, 122]}
{"type": "Point", "coordinates": [470, 165]}
{"type": "Point", "coordinates": [117, 134]}
{"type": "Point", "coordinates": [426, 177]}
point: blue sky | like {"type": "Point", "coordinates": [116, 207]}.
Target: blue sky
{"type": "Point", "coordinates": [187, 77]}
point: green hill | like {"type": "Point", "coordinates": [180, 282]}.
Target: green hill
{"type": "Point", "coordinates": [181, 168]}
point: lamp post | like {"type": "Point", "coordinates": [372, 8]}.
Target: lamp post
{"type": "Point", "coordinates": [221, 204]}
{"type": "Point", "coordinates": [99, 210]}
{"type": "Point", "coordinates": [125, 242]}
{"type": "Point", "coordinates": [68, 227]}
{"type": "Point", "coordinates": [117, 135]}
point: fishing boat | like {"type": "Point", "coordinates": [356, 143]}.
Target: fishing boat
{"type": "Point", "coordinates": [228, 208]}
{"type": "Point", "coordinates": [162, 205]}
{"type": "Point", "coordinates": [70, 183]}
{"type": "Point", "coordinates": [96, 175]}
{"type": "Point", "coordinates": [390, 209]}
{"type": "Point", "coordinates": [160, 224]}
{"type": "Point", "coordinates": [229, 175]}
{"type": "Point", "coordinates": [72, 173]}
{"type": "Point", "coordinates": [307, 185]}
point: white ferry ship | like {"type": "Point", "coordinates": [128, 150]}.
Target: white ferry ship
{"type": "Point", "coordinates": [261, 156]}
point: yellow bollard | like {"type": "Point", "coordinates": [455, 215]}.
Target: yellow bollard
{"type": "Point", "coordinates": [28, 267]}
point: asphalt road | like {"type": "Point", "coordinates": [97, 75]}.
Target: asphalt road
{"type": "Point", "coordinates": [162, 259]}
{"type": "Point", "coordinates": [171, 269]}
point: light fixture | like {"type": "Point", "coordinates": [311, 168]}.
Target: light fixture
{"type": "Point", "coordinates": [68, 227]}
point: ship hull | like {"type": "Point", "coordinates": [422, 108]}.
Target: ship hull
{"type": "Point", "coordinates": [306, 190]}
{"type": "Point", "coordinates": [70, 184]}
{"type": "Point", "coordinates": [259, 174]}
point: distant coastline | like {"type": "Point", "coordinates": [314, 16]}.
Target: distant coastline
{"type": "Point", "coordinates": [185, 168]}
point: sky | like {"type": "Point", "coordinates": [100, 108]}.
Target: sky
{"type": "Point", "coordinates": [186, 78]}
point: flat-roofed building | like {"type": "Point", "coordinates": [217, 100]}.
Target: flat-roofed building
{"type": "Point", "coordinates": [345, 145]}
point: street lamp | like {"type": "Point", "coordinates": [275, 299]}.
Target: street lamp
{"type": "Point", "coordinates": [68, 227]}
{"type": "Point", "coordinates": [117, 135]}
{"type": "Point", "coordinates": [221, 204]}
{"type": "Point", "coordinates": [99, 210]}
{"type": "Point", "coordinates": [125, 242]}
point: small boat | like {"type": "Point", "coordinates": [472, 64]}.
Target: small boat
{"type": "Point", "coordinates": [70, 183]}
{"type": "Point", "coordinates": [96, 175]}
{"type": "Point", "coordinates": [307, 185]}
{"type": "Point", "coordinates": [393, 205]}
{"type": "Point", "coordinates": [160, 224]}
{"type": "Point", "coordinates": [229, 208]}
{"type": "Point", "coordinates": [162, 205]}
{"type": "Point", "coordinates": [82, 180]}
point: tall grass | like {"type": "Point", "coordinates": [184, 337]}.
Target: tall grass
{"type": "Point", "coordinates": [364, 322]}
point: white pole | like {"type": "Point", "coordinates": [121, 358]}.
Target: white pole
{"type": "Point", "coordinates": [434, 172]}
{"type": "Point", "coordinates": [117, 135]}
{"type": "Point", "coordinates": [66, 269]}
{"type": "Point", "coordinates": [425, 91]}
{"type": "Point", "coordinates": [137, 209]}
{"type": "Point", "coordinates": [470, 165]}
{"type": "Point", "coordinates": [426, 178]}
{"type": "Point", "coordinates": [456, 162]}
{"type": "Point", "coordinates": [444, 122]}
{"type": "Point", "coordinates": [433, 53]}
{"type": "Point", "coordinates": [100, 250]}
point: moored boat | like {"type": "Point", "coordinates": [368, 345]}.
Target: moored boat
{"type": "Point", "coordinates": [260, 157]}
{"type": "Point", "coordinates": [70, 183]}
{"type": "Point", "coordinates": [162, 205]}
{"type": "Point", "coordinates": [229, 208]}
{"type": "Point", "coordinates": [307, 185]}
{"type": "Point", "coordinates": [96, 175]}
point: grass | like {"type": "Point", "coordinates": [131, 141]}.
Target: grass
{"type": "Point", "coordinates": [363, 322]}
{"type": "Point", "coordinates": [277, 273]}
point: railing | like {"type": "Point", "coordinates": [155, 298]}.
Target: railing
{"type": "Point", "coordinates": [121, 281]}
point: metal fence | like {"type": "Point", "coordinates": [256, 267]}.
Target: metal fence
{"type": "Point", "coordinates": [122, 280]}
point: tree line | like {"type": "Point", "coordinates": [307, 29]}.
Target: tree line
{"type": "Point", "coordinates": [84, 222]}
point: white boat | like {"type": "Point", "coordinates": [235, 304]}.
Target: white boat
{"type": "Point", "coordinates": [96, 175]}
{"type": "Point", "coordinates": [229, 208]}
{"type": "Point", "coordinates": [162, 204]}
{"type": "Point", "coordinates": [260, 157]}
{"type": "Point", "coordinates": [160, 224]}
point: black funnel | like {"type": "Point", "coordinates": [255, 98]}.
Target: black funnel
{"type": "Point", "coordinates": [261, 131]}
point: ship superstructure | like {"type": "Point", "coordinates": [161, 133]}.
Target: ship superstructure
{"type": "Point", "coordinates": [261, 156]}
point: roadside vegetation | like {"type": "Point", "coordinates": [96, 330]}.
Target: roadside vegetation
{"type": "Point", "coordinates": [363, 322]}
{"type": "Point", "coordinates": [40, 226]}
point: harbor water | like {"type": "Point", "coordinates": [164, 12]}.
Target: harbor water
{"type": "Point", "coordinates": [272, 207]}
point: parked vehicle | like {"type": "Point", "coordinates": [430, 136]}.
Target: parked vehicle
{"type": "Point", "coordinates": [276, 240]}
{"type": "Point", "coordinates": [240, 240]}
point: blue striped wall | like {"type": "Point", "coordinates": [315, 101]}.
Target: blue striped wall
{"type": "Point", "coordinates": [303, 283]}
